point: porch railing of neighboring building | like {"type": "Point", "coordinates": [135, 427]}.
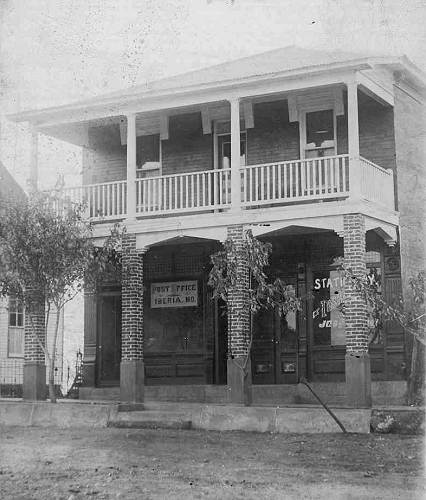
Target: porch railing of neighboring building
{"type": "Point", "coordinates": [292, 182]}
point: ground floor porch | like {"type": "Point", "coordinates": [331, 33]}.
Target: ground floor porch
{"type": "Point", "coordinates": [157, 324]}
{"type": "Point", "coordinates": [186, 336]}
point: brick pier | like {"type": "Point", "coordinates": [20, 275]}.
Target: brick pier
{"type": "Point", "coordinates": [132, 365]}
{"type": "Point", "coordinates": [239, 380]}
{"type": "Point", "coordinates": [34, 382]}
{"type": "Point", "coordinates": [357, 359]}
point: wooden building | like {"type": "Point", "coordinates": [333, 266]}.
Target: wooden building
{"type": "Point", "coordinates": [318, 153]}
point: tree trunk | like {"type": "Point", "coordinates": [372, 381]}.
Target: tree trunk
{"type": "Point", "coordinates": [52, 394]}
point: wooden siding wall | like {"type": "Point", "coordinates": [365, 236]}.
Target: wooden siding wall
{"type": "Point", "coordinates": [105, 159]}
{"type": "Point", "coordinates": [376, 132]}
{"type": "Point", "coordinates": [273, 139]}
{"type": "Point", "coordinates": [187, 149]}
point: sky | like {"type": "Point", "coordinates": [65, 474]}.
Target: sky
{"type": "Point", "coordinates": [57, 51]}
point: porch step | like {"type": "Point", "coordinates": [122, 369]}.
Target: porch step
{"type": "Point", "coordinates": [151, 419]}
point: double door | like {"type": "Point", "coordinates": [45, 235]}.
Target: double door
{"type": "Point", "coordinates": [276, 350]}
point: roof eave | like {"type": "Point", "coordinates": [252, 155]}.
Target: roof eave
{"type": "Point", "coordinates": [113, 104]}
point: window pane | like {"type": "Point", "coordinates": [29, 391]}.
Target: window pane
{"type": "Point", "coordinates": [329, 321]}
{"type": "Point", "coordinates": [319, 128]}
{"type": "Point", "coordinates": [12, 319]}
{"type": "Point", "coordinates": [20, 319]}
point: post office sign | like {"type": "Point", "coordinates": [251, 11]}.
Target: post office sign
{"type": "Point", "coordinates": [174, 294]}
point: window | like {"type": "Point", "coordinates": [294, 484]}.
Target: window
{"type": "Point", "coordinates": [327, 315]}
{"type": "Point", "coordinates": [148, 156]}
{"type": "Point", "coordinates": [319, 134]}
{"type": "Point", "coordinates": [224, 147]}
{"type": "Point", "coordinates": [16, 312]}
{"type": "Point", "coordinates": [16, 328]}
{"type": "Point", "coordinates": [374, 279]}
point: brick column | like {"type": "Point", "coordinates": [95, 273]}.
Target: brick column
{"type": "Point", "coordinates": [239, 381]}
{"type": "Point", "coordinates": [34, 383]}
{"type": "Point", "coordinates": [357, 360]}
{"type": "Point", "coordinates": [132, 366]}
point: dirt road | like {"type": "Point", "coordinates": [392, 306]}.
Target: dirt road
{"type": "Point", "coordinates": [73, 464]}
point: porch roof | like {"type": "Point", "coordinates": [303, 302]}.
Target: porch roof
{"type": "Point", "coordinates": [288, 62]}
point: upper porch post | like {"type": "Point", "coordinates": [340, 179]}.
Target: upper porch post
{"type": "Point", "coordinates": [353, 141]}
{"type": "Point", "coordinates": [131, 166]}
{"type": "Point", "coordinates": [235, 154]}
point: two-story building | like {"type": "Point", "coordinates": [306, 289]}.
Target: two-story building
{"type": "Point", "coordinates": [320, 154]}
{"type": "Point", "coordinates": [12, 318]}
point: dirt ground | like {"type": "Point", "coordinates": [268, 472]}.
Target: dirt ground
{"type": "Point", "coordinates": [38, 463]}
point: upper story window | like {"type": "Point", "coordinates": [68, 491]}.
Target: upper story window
{"type": "Point", "coordinates": [148, 156]}
{"type": "Point", "coordinates": [224, 150]}
{"type": "Point", "coordinates": [319, 134]}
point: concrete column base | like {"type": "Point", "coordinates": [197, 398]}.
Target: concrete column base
{"type": "Point", "coordinates": [358, 380]}
{"type": "Point", "coordinates": [239, 382]}
{"type": "Point", "coordinates": [132, 381]}
{"type": "Point", "coordinates": [34, 384]}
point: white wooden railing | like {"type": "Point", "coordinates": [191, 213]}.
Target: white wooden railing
{"type": "Point", "coordinates": [298, 181]}
{"type": "Point", "coordinates": [195, 191]}
{"type": "Point", "coordinates": [377, 184]}
{"type": "Point", "coordinates": [292, 181]}
{"type": "Point", "coordinates": [101, 201]}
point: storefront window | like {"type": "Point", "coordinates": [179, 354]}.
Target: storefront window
{"type": "Point", "coordinates": [328, 298]}
{"type": "Point", "coordinates": [328, 319]}
{"type": "Point", "coordinates": [174, 318]}
{"type": "Point", "coordinates": [374, 280]}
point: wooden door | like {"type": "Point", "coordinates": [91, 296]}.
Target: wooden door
{"type": "Point", "coordinates": [109, 339]}
{"type": "Point", "coordinates": [275, 349]}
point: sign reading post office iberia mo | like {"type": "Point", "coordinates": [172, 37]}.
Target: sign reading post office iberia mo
{"type": "Point", "coordinates": [174, 294]}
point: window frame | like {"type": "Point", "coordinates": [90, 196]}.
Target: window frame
{"type": "Point", "coordinates": [303, 111]}
{"type": "Point", "coordinates": [220, 124]}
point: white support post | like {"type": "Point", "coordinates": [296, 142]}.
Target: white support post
{"type": "Point", "coordinates": [33, 178]}
{"type": "Point", "coordinates": [235, 155]}
{"type": "Point", "coordinates": [353, 141]}
{"type": "Point", "coordinates": [131, 166]}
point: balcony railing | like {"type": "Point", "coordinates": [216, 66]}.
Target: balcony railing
{"type": "Point", "coordinates": [301, 181]}
{"type": "Point", "coordinates": [377, 184]}
{"type": "Point", "coordinates": [195, 191]}
{"type": "Point", "coordinates": [102, 201]}
{"type": "Point", "coordinates": [296, 181]}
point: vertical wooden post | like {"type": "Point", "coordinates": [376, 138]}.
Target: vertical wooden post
{"type": "Point", "coordinates": [353, 141]}
{"type": "Point", "coordinates": [33, 178]}
{"type": "Point", "coordinates": [131, 166]}
{"type": "Point", "coordinates": [235, 155]}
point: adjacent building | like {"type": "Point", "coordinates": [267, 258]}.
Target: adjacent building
{"type": "Point", "coordinates": [12, 317]}
{"type": "Point", "coordinates": [320, 154]}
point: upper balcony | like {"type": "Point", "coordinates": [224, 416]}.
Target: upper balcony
{"type": "Point", "coordinates": [291, 134]}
